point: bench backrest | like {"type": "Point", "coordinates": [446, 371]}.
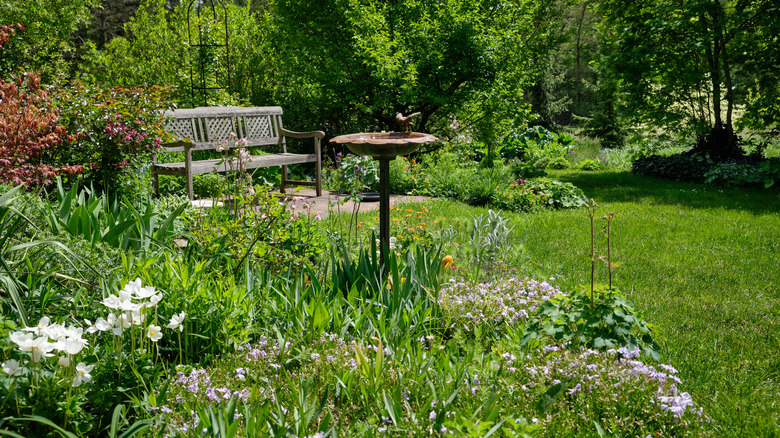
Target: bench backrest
{"type": "Point", "coordinates": [208, 127]}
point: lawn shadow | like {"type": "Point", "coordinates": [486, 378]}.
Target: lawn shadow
{"type": "Point", "coordinates": [613, 186]}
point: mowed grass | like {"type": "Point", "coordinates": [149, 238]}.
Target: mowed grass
{"type": "Point", "coordinates": [702, 264]}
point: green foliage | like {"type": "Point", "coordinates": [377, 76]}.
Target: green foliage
{"type": "Point", "coordinates": [607, 322]}
{"type": "Point", "coordinates": [589, 165]}
{"type": "Point", "coordinates": [689, 166]}
{"type": "Point", "coordinates": [157, 29]}
{"type": "Point", "coordinates": [537, 146]}
{"type": "Point", "coordinates": [369, 61]}
{"type": "Point", "coordinates": [559, 163]}
{"type": "Point", "coordinates": [47, 45]}
{"type": "Point", "coordinates": [354, 174]}
{"type": "Point", "coordinates": [116, 224]}
{"type": "Point", "coordinates": [686, 65]}
{"type": "Point", "coordinates": [268, 233]}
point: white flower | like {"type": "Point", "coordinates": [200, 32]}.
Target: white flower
{"type": "Point", "coordinates": [103, 325]}
{"type": "Point", "coordinates": [153, 300]}
{"type": "Point", "coordinates": [39, 347]}
{"type": "Point", "coordinates": [11, 367]}
{"type": "Point", "coordinates": [19, 338]}
{"type": "Point", "coordinates": [136, 317]}
{"type": "Point", "coordinates": [92, 328]}
{"type": "Point", "coordinates": [154, 333]}
{"type": "Point", "coordinates": [42, 324]}
{"type": "Point", "coordinates": [74, 345]}
{"type": "Point", "coordinates": [176, 322]}
{"type": "Point", "coordinates": [119, 323]}
{"type": "Point", "coordinates": [64, 361]}
{"type": "Point", "coordinates": [54, 331]}
{"type": "Point", "coordinates": [145, 292]}
{"type": "Point", "coordinates": [82, 374]}
{"type": "Point", "coordinates": [132, 287]}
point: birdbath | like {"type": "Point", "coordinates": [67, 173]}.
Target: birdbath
{"type": "Point", "coordinates": [384, 147]}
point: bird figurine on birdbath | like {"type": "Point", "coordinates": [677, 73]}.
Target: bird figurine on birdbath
{"type": "Point", "coordinates": [405, 121]}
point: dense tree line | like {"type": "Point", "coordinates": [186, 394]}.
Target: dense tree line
{"type": "Point", "coordinates": [702, 68]}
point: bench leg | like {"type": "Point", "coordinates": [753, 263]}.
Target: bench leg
{"type": "Point", "coordinates": [283, 183]}
{"type": "Point", "coordinates": [318, 178]}
{"type": "Point", "coordinates": [156, 184]}
{"type": "Point", "coordinates": [190, 191]}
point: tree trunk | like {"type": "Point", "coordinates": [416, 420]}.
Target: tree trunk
{"type": "Point", "coordinates": [720, 141]}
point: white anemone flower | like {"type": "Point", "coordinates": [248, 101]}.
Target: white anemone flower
{"type": "Point", "coordinates": [74, 332]}
{"type": "Point", "coordinates": [92, 327]}
{"type": "Point", "coordinates": [74, 345]}
{"type": "Point", "coordinates": [82, 374]}
{"type": "Point", "coordinates": [132, 287]}
{"type": "Point", "coordinates": [103, 325]}
{"type": "Point", "coordinates": [121, 322]}
{"type": "Point", "coordinates": [111, 301]}
{"type": "Point", "coordinates": [154, 333]}
{"type": "Point", "coordinates": [54, 331]}
{"type": "Point", "coordinates": [19, 338]}
{"type": "Point", "coordinates": [11, 367]}
{"type": "Point", "coordinates": [145, 292]}
{"type": "Point", "coordinates": [42, 324]}
{"type": "Point", "coordinates": [39, 347]}
{"type": "Point", "coordinates": [176, 322]}
{"type": "Point", "coordinates": [136, 317]}
{"type": "Point", "coordinates": [153, 300]}
{"type": "Point", "coordinates": [64, 361]}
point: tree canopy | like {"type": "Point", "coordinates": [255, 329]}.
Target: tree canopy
{"type": "Point", "coordinates": [688, 64]}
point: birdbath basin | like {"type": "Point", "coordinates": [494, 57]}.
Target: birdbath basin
{"type": "Point", "coordinates": [384, 147]}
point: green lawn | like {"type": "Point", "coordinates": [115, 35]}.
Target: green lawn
{"type": "Point", "coordinates": [702, 264]}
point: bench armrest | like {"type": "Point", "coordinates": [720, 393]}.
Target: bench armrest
{"type": "Point", "coordinates": [307, 134]}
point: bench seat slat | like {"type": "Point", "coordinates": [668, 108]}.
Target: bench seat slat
{"type": "Point", "coordinates": [217, 165]}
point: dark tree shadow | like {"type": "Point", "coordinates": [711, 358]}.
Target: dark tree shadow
{"type": "Point", "coordinates": [607, 187]}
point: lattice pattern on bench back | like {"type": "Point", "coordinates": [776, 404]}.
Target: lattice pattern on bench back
{"type": "Point", "coordinates": [207, 127]}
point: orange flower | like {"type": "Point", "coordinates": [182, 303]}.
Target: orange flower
{"type": "Point", "coordinates": [446, 262]}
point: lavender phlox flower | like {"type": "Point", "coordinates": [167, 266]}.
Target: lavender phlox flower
{"type": "Point", "coordinates": [432, 416]}
{"type": "Point", "coordinates": [242, 394]}
{"type": "Point", "coordinates": [574, 390]}
{"type": "Point", "coordinates": [676, 404]}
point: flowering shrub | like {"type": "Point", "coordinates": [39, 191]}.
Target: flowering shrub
{"type": "Point", "coordinates": [529, 195]}
{"type": "Point", "coordinates": [122, 127]}
{"type": "Point", "coordinates": [29, 126]}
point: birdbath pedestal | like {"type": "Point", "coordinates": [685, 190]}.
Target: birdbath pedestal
{"type": "Point", "coordinates": [384, 147]}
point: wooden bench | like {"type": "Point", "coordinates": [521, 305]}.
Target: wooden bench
{"type": "Point", "coordinates": [206, 128]}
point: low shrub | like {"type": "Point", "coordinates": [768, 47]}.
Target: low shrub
{"type": "Point", "coordinates": [688, 166]}
{"type": "Point", "coordinates": [536, 146]}
{"type": "Point", "coordinates": [559, 163]}
{"type": "Point", "coordinates": [589, 165]}
{"type": "Point", "coordinates": [698, 167]}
